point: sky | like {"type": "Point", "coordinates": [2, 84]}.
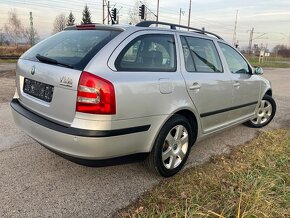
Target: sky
{"type": "Point", "coordinates": [269, 18]}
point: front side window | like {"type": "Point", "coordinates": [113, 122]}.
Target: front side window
{"type": "Point", "coordinates": [236, 62]}
{"type": "Point", "coordinates": [200, 55]}
{"type": "Point", "coordinates": [152, 52]}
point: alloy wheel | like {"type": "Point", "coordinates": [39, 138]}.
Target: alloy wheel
{"type": "Point", "coordinates": [175, 147]}
{"type": "Point", "coordinates": [264, 113]}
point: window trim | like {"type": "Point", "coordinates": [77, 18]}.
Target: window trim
{"type": "Point", "coordinates": [215, 47]}
{"type": "Point", "coordinates": [249, 65]}
{"type": "Point", "coordinates": [117, 62]}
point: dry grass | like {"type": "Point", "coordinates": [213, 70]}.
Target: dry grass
{"type": "Point", "coordinates": [8, 61]}
{"type": "Point", "coordinates": [253, 181]}
{"type": "Point", "coordinates": [271, 64]}
{"type": "Point", "coordinates": [272, 61]}
{"type": "Point", "coordinates": [13, 50]}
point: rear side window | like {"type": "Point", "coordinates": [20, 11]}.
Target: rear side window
{"type": "Point", "coordinates": [72, 47]}
{"type": "Point", "coordinates": [152, 52]}
{"type": "Point", "coordinates": [200, 55]}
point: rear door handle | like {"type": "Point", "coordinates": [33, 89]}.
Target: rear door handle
{"type": "Point", "coordinates": [237, 84]}
{"type": "Point", "coordinates": [195, 86]}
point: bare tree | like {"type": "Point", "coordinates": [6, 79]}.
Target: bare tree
{"type": "Point", "coordinates": [13, 29]}
{"type": "Point", "coordinates": [2, 37]}
{"type": "Point", "coordinates": [27, 35]}
{"type": "Point", "coordinates": [278, 48]}
{"type": "Point", "coordinates": [14, 32]}
{"type": "Point", "coordinates": [59, 23]}
{"type": "Point", "coordinates": [134, 12]}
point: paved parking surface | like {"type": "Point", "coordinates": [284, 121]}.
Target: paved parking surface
{"type": "Point", "coordinates": [7, 66]}
{"type": "Point", "coordinates": [35, 182]}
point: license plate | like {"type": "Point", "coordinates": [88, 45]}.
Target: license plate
{"type": "Point", "coordinates": [38, 89]}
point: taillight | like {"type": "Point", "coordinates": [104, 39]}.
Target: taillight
{"type": "Point", "coordinates": [95, 95]}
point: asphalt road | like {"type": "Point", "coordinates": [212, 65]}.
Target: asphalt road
{"type": "Point", "coordinates": [35, 182]}
{"type": "Point", "coordinates": [4, 67]}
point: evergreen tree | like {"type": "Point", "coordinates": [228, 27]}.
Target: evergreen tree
{"type": "Point", "coordinates": [71, 19]}
{"type": "Point", "coordinates": [86, 15]}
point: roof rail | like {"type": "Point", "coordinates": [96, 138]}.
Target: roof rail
{"type": "Point", "coordinates": [173, 27]}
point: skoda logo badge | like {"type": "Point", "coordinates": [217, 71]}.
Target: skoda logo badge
{"type": "Point", "coordinates": [32, 70]}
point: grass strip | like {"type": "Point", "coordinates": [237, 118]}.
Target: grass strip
{"type": "Point", "coordinates": [8, 61]}
{"type": "Point", "coordinates": [252, 181]}
{"type": "Point", "coordinates": [271, 64]}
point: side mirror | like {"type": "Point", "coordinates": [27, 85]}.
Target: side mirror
{"type": "Point", "coordinates": [258, 70]}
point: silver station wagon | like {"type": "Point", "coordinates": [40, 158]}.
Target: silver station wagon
{"type": "Point", "coordinates": [95, 92]}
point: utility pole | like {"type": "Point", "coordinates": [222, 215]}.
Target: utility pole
{"type": "Point", "coordinates": [181, 12]}
{"type": "Point", "coordinates": [103, 11]}
{"type": "Point", "coordinates": [157, 15]}
{"type": "Point", "coordinates": [31, 30]}
{"type": "Point", "coordinates": [251, 40]}
{"type": "Point", "coordinates": [108, 6]}
{"type": "Point", "coordinates": [189, 13]}
{"type": "Point", "coordinates": [235, 30]}
{"type": "Point", "coordinates": [109, 15]}
{"type": "Point", "coordinates": [179, 16]}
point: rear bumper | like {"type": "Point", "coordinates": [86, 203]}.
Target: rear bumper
{"type": "Point", "coordinates": [82, 143]}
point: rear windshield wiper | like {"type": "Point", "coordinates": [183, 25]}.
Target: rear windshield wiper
{"type": "Point", "coordinates": [51, 61]}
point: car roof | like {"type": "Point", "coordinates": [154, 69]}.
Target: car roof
{"type": "Point", "coordinates": [146, 25]}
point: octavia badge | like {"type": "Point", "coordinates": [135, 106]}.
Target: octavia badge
{"type": "Point", "coordinates": [32, 70]}
{"type": "Point", "coordinates": [66, 81]}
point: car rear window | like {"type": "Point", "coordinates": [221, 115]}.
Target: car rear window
{"type": "Point", "coordinates": [72, 47]}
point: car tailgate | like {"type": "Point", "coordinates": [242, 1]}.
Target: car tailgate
{"type": "Point", "coordinates": [63, 81]}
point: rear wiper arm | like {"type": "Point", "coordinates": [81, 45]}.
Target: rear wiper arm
{"type": "Point", "coordinates": [51, 61]}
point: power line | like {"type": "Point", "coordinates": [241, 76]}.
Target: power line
{"type": "Point", "coordinates": [77, 4]}
{"type": "Point", "coordinates": [96, 7]}
{"type": "Point", "coordinates": [46, 5]}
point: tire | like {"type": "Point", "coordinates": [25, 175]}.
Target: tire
{"type": "Point", "coordinates": [265, 113]}
{"type": "Point", "coordinates": [172, 147]}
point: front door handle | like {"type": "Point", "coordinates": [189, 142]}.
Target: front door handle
{"type": "Point", "coordinates": [195, 86]}
{"type": "Point", "coordinates": [237, 84]}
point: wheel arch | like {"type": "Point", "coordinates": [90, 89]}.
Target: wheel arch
{"type": "Point", "coordinates": [154, 159]}
{"type": "Point", "coordinates": [190, 116]}
{"type": "Point", "coordinates": [268, 92]}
